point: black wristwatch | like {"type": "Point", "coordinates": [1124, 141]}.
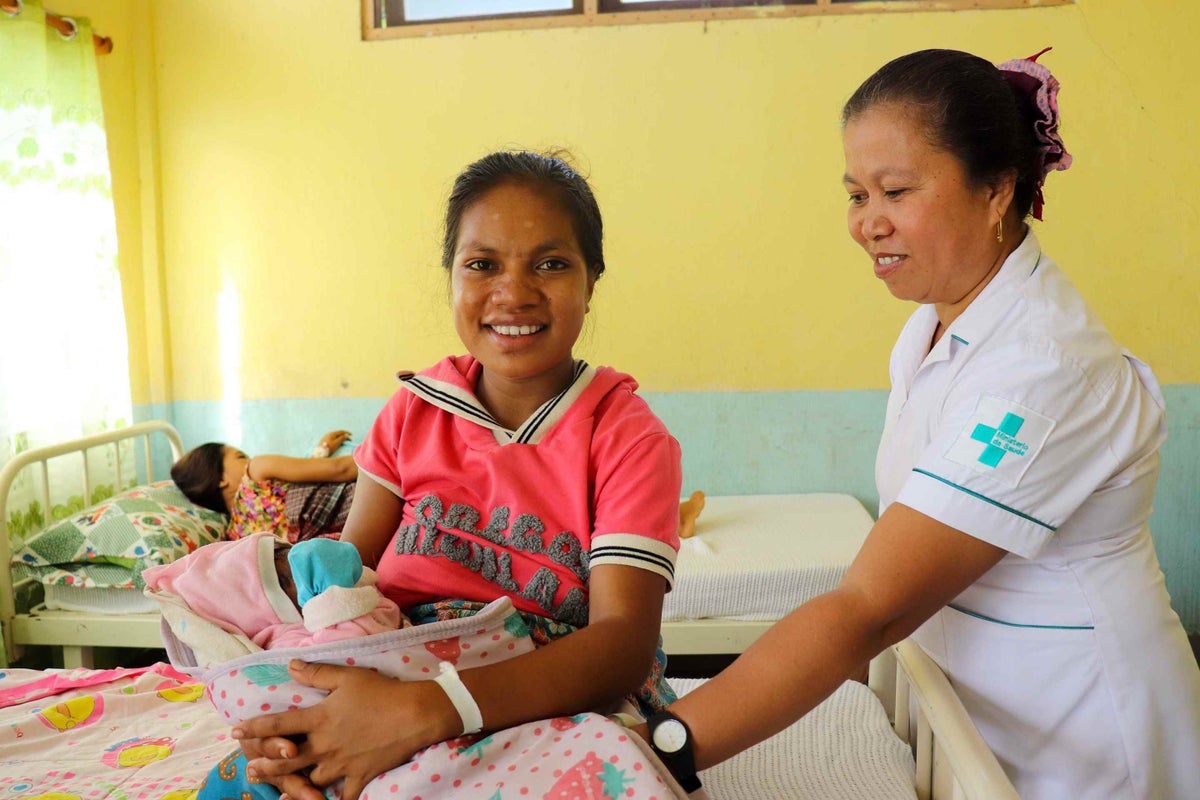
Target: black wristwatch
{"type": "Point", "coordinates": [671, 740]}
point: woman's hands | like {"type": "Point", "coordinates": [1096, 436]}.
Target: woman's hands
{"type": "Point", "coordinates": [368, 724]}
{"type": "Point", "coordinates": [293, 785]}
{"type": "Point", "coordinates": [333, 440]}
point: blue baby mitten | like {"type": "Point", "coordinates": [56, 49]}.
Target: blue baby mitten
{"type": "Point", "coordinates": [318, 564]}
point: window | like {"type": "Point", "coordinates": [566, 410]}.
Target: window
{"type": "Point", "coordinates": [386, 19]}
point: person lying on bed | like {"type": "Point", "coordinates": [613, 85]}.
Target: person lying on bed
{"type": "Point", "coordinates": [517, 471]}
{"type": "Point", "coordinates": [294, 498]}
{"type": "Point", "coordinates": [261, 593]}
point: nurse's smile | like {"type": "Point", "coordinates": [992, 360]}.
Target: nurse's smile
{"type": "Point", "coordinates": [886, 264]}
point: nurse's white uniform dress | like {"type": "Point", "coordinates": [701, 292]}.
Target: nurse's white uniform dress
{"type": "Point", "coordinates": [1028, 427]}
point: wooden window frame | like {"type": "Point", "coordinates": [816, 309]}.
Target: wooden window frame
{"type": "Point", "coordinates": [588, 13]}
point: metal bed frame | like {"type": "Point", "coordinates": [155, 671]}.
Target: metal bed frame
{"type": "Point", "coordinates": [77, 633]}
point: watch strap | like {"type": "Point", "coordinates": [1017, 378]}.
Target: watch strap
{"type": "Point", "coordinates": [681, 763]}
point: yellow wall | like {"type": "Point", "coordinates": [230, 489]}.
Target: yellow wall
{"type": "Point", "coordinates": [303, 170]}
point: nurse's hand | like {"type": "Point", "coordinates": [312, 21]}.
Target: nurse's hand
{"type": "Point", "coordinates": [368, 724]}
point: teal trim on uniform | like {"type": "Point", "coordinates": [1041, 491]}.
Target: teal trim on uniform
{"type": "Point", "coordinates": [743, 443]}
{"type": "Point", "coordinates": [985, 499]}
{"type": "Point", "coordinates": [958, 339]}
{"type": "Point", "coordinates": [985, 618]}
{"type": "Point", "coordinates": [1037, 263]}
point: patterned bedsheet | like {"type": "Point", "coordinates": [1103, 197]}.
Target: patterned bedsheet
{"type": "Point", "coordinates": [152, 734]}
{"type": "Point", "coordinates": [123, 734]}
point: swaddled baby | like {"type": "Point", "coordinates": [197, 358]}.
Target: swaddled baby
{"type": "Point", "coordinates": [230, 598]}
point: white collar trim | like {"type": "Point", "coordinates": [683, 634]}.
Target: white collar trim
{"type": "Point", "coordinates": [462, 403]}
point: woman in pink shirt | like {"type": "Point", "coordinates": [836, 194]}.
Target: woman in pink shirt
{"type": "Point", "coordinates": [516, 470]}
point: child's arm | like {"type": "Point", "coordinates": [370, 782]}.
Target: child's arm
{"type": "Point", "coordinates": [330, 443]}
{"type": "Point", "coordinates": [303, 470]}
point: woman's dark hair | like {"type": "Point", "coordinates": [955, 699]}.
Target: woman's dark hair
{"type": "Point", "coordinates": [968, 109]}
{"type": "Point", "coordinates": [519, 166]}
{"type": "Point", "coordinates": [198, 475]}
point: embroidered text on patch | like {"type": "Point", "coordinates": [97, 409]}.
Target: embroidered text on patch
{"type": "Point", "coordinates": [1001, 439]}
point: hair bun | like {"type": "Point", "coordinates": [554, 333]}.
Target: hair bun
{"type": "Point", "coordinates": [1037, 83]}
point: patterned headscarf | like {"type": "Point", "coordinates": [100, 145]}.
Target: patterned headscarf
{"type": "Point", "coordinates": [1032, 79]}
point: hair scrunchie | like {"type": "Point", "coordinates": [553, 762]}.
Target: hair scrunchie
{"type": "Point", "coordinates": [1034, 80]}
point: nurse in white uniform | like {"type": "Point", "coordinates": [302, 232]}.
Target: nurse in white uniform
{"type": "Point", "coordinates": [1016, 473]}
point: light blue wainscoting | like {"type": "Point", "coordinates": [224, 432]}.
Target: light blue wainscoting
{"type": "Point", "coordinates": [747, 443]}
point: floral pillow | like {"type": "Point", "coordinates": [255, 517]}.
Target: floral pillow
{"type": "Point", "coordinates": [110, 543]}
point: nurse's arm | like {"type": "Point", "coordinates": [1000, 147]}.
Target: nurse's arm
{"type": "Point", "coordinates": [909, 567]}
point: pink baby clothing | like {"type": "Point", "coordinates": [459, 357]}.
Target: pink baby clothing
{"type": "Point", "coordinates": [234, 586]}
{"type": "Point", "coordinates": [591, 478]}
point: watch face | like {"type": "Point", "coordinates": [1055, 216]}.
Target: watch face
{"type": "Point", "coordinates": [670, 736]}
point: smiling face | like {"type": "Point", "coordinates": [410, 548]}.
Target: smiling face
{"type": "Point", "coordinates": [930, 234]}
{"type": "Point", "coordinates": [521, 288]}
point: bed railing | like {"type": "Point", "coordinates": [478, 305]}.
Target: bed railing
{"type": "Point", "coordinates": [42, 456]}
{"type": "Point", "coordinates": [956, 764]}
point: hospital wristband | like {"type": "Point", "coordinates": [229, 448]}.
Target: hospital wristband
{"type": "Point", "coordinates": [460, 698]}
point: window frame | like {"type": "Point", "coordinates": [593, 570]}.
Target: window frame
{"type": "Point", "coordinates": [589, 13]}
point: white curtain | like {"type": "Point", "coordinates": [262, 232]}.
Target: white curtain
{"type": "Point", "coordinates": [64, 368]}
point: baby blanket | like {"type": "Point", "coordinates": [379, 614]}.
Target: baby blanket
{"type": "Point", "coordinates": [586, 756]}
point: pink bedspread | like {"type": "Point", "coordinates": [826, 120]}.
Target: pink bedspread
{"type": "Point", "coordinates": [93, 734]}
{"type": "Point", "coordinates": [150, 733]}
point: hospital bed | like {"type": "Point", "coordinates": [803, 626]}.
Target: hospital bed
{"type": "Point", "coordinates": [79, 620]}
{"type": "Point", "coordinates": [904, 735]}
{"type": "Point", "coordinates": [753, 559]}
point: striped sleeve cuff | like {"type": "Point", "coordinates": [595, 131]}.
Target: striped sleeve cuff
{"type": "Point", "coordinates": [632, 550]}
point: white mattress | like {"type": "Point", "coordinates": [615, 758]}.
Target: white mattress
{"type": "Point", "coordinates": [98, 600]}
{"type": "Point", "coordinates": [844, 749]}
{"type": "Point", "coordinates": [756, 557]}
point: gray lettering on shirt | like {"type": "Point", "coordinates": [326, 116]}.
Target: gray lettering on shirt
{"type": "Point", "coordinates": [541, 588]}
{"type": "Point", "coordinates": [527, 533]}
{"type": "Point", "coordinates": [428, 522]}
{"type": "Point", "coordinates": [424, 537]}
{"type": "Point", "coordinates": [406, 539]}
{"type": "Point", "coordinates": [454, 548]}
{"type": "Point", "coordinates": [504, 578]}
{"type": "Point", "coordinates": [566, 550]}
{"type": "Point", "coordinates": [494, 532]}
{"type": "Point", "coordinates": [461, 516]}
{"type": "Point", "coordinates": [574, 608]}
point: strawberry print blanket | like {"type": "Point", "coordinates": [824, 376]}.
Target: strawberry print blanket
{"type": "Point", "coordinates": [583, 757]}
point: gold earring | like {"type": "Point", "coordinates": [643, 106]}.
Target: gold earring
{"type": "Point", "coordinates": [1000, 230]}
